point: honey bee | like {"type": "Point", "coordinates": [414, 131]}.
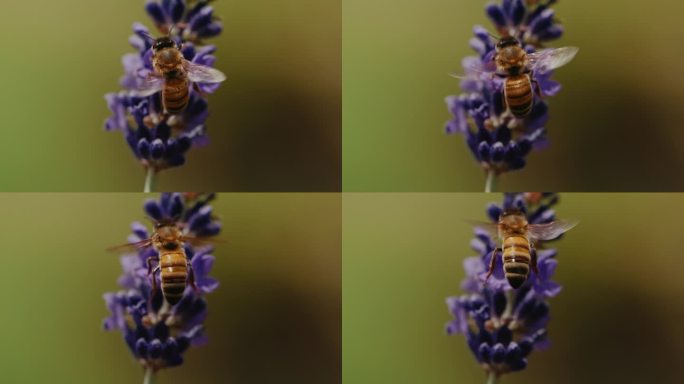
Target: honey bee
{"type": "Point", "coordinates": [516, 66]}
{"type": "Point", "coordinates": [172, 75]}
{"type": "Point", "coordinates": [512, 63]}
{"type": "Point", "coordinates": [174, 268]}
{"type": "Point", "coordinates": [518, 238]}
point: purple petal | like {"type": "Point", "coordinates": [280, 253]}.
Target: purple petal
{"type": "Point", "coordinates": [547, 269]}
{"type": "Point", "coordinates": [156, 12]}
{"type": "Point", "coordinates": [139, 230]}
{"type": "Point", "coordinates": [551, 289]}
{"type": "Point", "coordinates": [546, 254]}
{"type": "Point", "coordinates": [209, 88]}
{"type": "Point", "coordinates": [153, 209]}
{"type": "Point", "coordinates": [118, 119]}
{"type": "Point", "coordinates": [202, 264]}
{"type": "Point", "coordinates": [473, 266]}
{"type": "Point", "coordinates": [208, 284]}
{"type": "Point", "coordinates": [496, 15]}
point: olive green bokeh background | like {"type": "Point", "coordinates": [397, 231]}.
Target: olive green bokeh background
{"type": "Point", "coordinates": [274, 125]}
{"type": "Point", "coordinates": [615, 126]}
{"type": "Point", "coordinates": [617, 319]}
{"type": "Point", "coordinates": [275, 318]}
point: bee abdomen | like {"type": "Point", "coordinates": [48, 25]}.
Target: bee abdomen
{"type": "Point", "coordinates": [516, 274]}
{"type": "Point", "coordinates": [174, 276]}
{"type": "Point", "coordinates": [175, 95]}
{"type": "Point", "coordinates": [516, 260]}
{"type": "Point", "coordinates": [518, 93]}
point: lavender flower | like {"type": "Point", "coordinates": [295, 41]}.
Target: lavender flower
{"type": "Point", "coordinates": [159, 140]}
{"type": "Point", "coordinates": [503, 325]}
{"type": "Point", "coordinates": [157, 333]}
{"type": "Point", "coordinates": [499, 141]}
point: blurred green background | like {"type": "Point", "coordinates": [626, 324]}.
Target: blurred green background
{"type": "Point", "coordinates": [275, 318]}
{"type": "Point", "coordinates": [617, 319]}
{"type": "Point", "coordinates": [274, 125]}
{"type": "Point", "coordinates": [616, 126]}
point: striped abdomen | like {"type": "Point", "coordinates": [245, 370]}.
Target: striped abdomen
{"type": "Point", "coordinates": [518, 94]}
{"type": "Point", "coordinates": [175, 94]}
{"type": "Point", "coordinates": [174, 275]}
{"type": "Point", "coordinates": [516, 260]}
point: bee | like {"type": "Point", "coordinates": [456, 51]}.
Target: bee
{"type": "Point", "coordinates": [518, 238]}
{"type": "Point", "coordinates": [174, 268]}
{"type": "Point", "coordinates": [172, 74]}
{"type": "Point", "coordinates": [516, 66]}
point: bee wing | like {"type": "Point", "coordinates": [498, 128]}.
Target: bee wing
{"type": "Point", "coordinates": [549, 59]}
{"type": "Point", "coordinates": [479, 70]}
{"type": "Point", "coordinates": [201, 241]}
{"type": "Point", "coordinates": [150, 85]}
{"type": "Point", "coordinates": [474, 66]}
{"type": "Point", "coordinates": [550, 231]}
{"type": "Point", "coordinates": [131, 246]}
{"type": "Point", "coordinates": [491, 228]}
{"type": "Point", "coordinates": [202, 74]}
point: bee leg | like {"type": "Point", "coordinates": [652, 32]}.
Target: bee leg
{"type": "Point", "coordinates": [191, 278]}
{"type": "Point", "coordinates": [533, 255]}
{"type": "Point", "coordinates": [537, 88]}
{"type": "Point", "coordinates": [491, 263]}
{"type": "Point", "coordinates": [198, 90]}
{"type": "Point", "coordinates": [149, 264]}
{"type": "Point", "coordinates": [151, 272]}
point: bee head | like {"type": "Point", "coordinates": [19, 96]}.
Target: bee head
{"type": "Point", "coordinates": [163, 43]}
{"type": "Point", "coordinates": [513, 219]}
{"type": "Point", "coordinates": [507, 41]}
{"type": "Point", "coordinates": [167, 229]}
{"type": "Point", "coordinates": [167, 236]}
{"type": "Point", "coordinates": [164, 223]}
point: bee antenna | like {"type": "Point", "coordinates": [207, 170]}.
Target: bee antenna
{"type": "Point", "coordinates": [147, 35]}
{"type": "Point", "coordinates": [493, 36]}
{"type": "Point", "coordinates": [154, 222]}
{"type": "Point", "coordinates": [166, 222]}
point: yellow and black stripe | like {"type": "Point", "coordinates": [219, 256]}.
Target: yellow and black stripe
{"type": "Point", "coordinates": [174, 275]}
{"type": "Point", "coordinates": [518, 93]}
{"type": "Point", "coordinates": [516, 260]}
{"type": "Point", "coordinates": [175, 95]}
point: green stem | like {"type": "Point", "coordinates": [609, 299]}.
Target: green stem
{"type": "Point", "coordinates": [149, 376]}
{"type": "Point", "coordinates": [491, 181]}
{"type": "Point", "coordinates": [149, 180]}
{"type": "Point", "coordinates": [491, 378]}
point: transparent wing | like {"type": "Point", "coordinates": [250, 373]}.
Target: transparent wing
{"type": "Point", "coordinates": [491, 228]}
{"type": "Point", "coordinates": [201, 241]}
{"type": "Point", "coordinates": [549, 59]}
{"type": "Point", "coordinates": [149, 86]}
{"type": "Point", "coordinates": [550, 231]}
{"type": "Point", "coordinates": [473, 66]}
{"type": "Point", "coordinates": [470, 73]}
{"type": "Point", "coordinates": [202, 74]}
{"type": "Point", "coordinates": [131, 246]}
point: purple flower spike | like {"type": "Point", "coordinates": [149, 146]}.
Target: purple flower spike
{"type": "Point", "coordinates": [503, 325]}
{"type": "Point", "coordinates": [500, 140]}
{"type": "Point", "coordinates": [157, 139]}
{"type": "Point", "coordinates": [156, 332]}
